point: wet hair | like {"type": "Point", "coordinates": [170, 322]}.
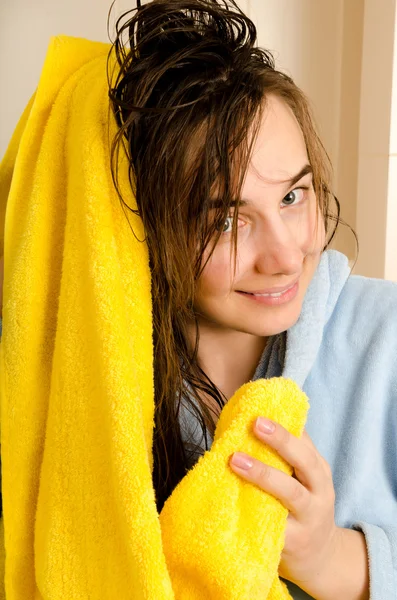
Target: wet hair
{"type": "Point", "coordinates": [188, 94]}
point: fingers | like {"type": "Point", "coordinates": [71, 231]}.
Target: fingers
{"type": "Point", "coordinates": [309, 466]}
{"type": "Point", "coordinates": [312, 475]}
{"type": "Point", "coordinates": [291, 493]}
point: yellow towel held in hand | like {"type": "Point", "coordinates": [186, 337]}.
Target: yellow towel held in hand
{"type": "Point", "coordinates": [77, 398]}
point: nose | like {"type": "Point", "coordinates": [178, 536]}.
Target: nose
{"type": "Point", "coordinates": [278, 251]}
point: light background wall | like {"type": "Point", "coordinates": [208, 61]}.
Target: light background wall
{"type": "Point", "coordinates": [377, 167]}
{"type": "Point", "coordinates": [341, 52]}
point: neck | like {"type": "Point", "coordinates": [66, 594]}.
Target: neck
{"type": "Point", "coordinates": [228, 357]}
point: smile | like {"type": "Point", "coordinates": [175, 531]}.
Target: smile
{"type": "Point", "coordinates": [275, 298]}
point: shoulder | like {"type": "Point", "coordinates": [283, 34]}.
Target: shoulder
{"type": "Point", "coordinates": [359, 345]}
{"type": "Point", "coordinates": [366, 313]}
{"type": "Point", "coordinates": [368, 296]}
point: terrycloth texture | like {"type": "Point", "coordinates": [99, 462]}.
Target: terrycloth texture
{"type": "Point", "coordinates": [77, 383]}
{"type": "Point", "coordinates": [212, 518]}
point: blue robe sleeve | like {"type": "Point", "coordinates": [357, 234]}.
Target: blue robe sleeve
{"type": "Point", "coordinates": [382, 557]}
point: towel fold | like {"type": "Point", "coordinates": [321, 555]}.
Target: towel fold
{"type": "Point", "coordinates": [77, 399]}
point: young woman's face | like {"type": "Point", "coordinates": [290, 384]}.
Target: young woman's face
{"type": "Point", "coordinates": [280, 238]}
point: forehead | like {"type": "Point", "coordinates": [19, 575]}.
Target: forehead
{"type": "Point", "coordinates": [279, 151]}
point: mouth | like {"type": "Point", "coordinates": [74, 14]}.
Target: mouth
{"type": "Point", "coordinates": [273, 298]}
{"type": "Point", "coordinates": [274, 291]}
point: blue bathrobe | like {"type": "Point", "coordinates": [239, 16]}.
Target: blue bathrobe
{"type": "Point", "coordinates": [343, 353]}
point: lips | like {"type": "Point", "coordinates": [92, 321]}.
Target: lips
{"type": "Point", "coordinates": [275, 291]}
{"type": "Point", "coordinates": [274, 295]}
{"type": "Point", "coordinates": [280, 298]}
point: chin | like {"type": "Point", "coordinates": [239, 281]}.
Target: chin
{"type": "Point", "coordinates": [266, 322]}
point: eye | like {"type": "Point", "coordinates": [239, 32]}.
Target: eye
{"type": "Point", "coordinates": [294, 197]}
{"type": "Point", "coordinates": [227, 225]}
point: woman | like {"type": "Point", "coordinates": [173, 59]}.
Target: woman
{"type": "Point", "coordinates": [232, 184]}
{"type": "Point", "coordinates": [238, 219]}
{"type": "Point", "coordinates": [237, 214]}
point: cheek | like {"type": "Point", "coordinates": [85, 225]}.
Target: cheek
{"type": "Point", "coordinates": [312, 234]}
{"type": "Point", "coordinates": [217, 277]}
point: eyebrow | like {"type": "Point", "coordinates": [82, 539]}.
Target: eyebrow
{"type": "Point", "coordinates": [306, 170]}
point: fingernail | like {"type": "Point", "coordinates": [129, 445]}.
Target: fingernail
{"type": "Point", "coordinates": [264, 425]}
{"type": "Point", "coordinates": [241, 461]}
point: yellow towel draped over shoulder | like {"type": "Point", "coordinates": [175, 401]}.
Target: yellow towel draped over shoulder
{"type": "Point", "coordinates": [77, 400]}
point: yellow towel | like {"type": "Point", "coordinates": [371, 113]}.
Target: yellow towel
{"type": "Point", "coordinates": [77, 383]}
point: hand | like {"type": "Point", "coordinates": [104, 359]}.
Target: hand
{"type": "Point", "coordinates": [311, 537]}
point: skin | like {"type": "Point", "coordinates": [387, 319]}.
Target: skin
{"type": "Point", "coordinates": [278, 243]}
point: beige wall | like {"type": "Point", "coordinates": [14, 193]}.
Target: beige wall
{"type": "Point", "coordinates": [391, 221]}
{"type": "Point", "coordinates": [349, 122]}
{"type": "Point", "coordinates": [377, 180]}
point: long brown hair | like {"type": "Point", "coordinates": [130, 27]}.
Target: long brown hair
{"type": "Point", "coordinates": [188, 95]}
